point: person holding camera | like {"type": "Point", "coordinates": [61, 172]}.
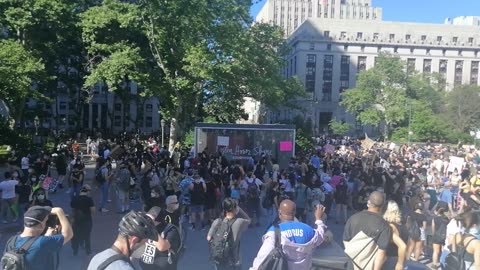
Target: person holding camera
{"type": "Point", "coordinates": [41, 254]}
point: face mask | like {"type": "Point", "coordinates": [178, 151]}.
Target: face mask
{"type": "Point", "coordinates": [153, 195]}
{"type": "Point", "coordinates": [41, 197]}
{"type": "Point", "coordinates": [475, 231]}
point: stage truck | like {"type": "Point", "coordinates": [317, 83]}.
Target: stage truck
{"type": "Point", "coordinates": [245, 141]}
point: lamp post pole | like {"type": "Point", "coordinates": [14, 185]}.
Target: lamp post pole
{"type": "Point", "coordinates": [162, 124]}
{"type": "Point", "coordinates": [36, 123]}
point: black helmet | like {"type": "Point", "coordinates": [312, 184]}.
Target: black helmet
{"type": "Point", "coordinates": [138, 224]}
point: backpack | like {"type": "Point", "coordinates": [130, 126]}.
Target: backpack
{"type": "Point", "coordinates": [222, 245]}
{"type": "Point", "coordinates": [276, 259]}
{"type": "Point", "coordinates": [14, 258]}
{"type": "Point", "coordinates": [123, 180]}
{"type": "Point", "coordinates": [455, 260]}
{"type": "Point", "coordinates": [99, 176]}
{"type": "Point", "coordinates": [413, 228]}
{"type": "Point", "coordinates": [173, 252]}
{"type": "Point", "coordinates": [252, 190]}
{"type": "Point", "coordinates": [197, 195]}
{"type": "Point", "coordinates": [113, 258]}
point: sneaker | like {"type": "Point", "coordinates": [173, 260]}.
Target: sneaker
{"type": "Point", "coordinates": [104, 210]}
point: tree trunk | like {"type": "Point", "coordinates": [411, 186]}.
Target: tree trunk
{"type": "Point", "coordinates": [173, 134]}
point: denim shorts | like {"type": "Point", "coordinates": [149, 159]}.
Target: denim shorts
{"type": "Point", "coordinates": [196, 209]}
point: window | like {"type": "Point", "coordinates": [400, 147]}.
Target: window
{"type": "Point", "coordinates": [427, 51]}
{"type": "Point", "coordinates": [392, 37]}
{"type": "Point", "coordinates": [427, 65]}
{"type": "Point", "coordinates": [443, 66]}
{"type": "Point", "coordinates": [470, 40]}
{"type": "Point", "coordinates": [63, 105]}
{"type": "Point", "coordinates": [148, 122]}
{"type": "Point", "coordinates": [359, 35]}
{"type": "Point", "coordinates": [312, 46]}
{"type": "Point", "coordinates": [362, 63]}
{"type": "Point", "coordinates": [328, 60]}
{"type": "Point", "coordinates": [423, 37]}
{"type": "Point", "coordinates": [345, 47]}
{"type": "Point", "coordinates": [439, 38]}
{"type": "Point", "coordinates": [411, 64]}
{"type": "Point", "coordinates": [118, 107]}
{"type": "Point", "coordinates": [375, 36]}
{"type": "Point", "coordinates": [458, 72]}
{"type": "Point", "coordinates": [117, 121]}
{"type": "Point", "coordinates": [343, 35]}
{"type": "Point", "coordinates": [311, 58]}
{"type": "Point", "coordinates": [408, 37]}
{"type": "Point", "coordinates": [326, 34]}
{"type": "Point", "coordinates": [310, 71]}
{"type": "Point", "coordinates": [345, 60]}
{"type": "Point", "coordinates": [329, 47]}
{"type": "Point", "coordinates": [455, 39]}
{"type": "Point", "coordinates": [148, 108]}
{"type": "Point", "coordinates": [474, 73]}
{"type": "Point", "coordinates": [362, 48]}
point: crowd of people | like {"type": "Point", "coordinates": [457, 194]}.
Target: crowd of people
{"type": "Point", "coordinates": [395, 203]}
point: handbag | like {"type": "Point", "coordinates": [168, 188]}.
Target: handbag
{"type": "Point", "coordinates": [364, 245]}
{"type": "Point", "coordinates": [276, 259]}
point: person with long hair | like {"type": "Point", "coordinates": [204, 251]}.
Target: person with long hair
{"type": "Point", "coordinates": [469, 240]}
{"type": "Point", "coordinates": [397, 248]}
{"type": "Point", "coordinates": [415, 243]}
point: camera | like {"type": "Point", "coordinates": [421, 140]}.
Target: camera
{"type": "Point", "coordinates": [52, 221]}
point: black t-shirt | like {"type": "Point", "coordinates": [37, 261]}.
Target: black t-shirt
{"type": "Point", "coordinates": [419, 218]}
{"type": "Point", "coordinates": [82, 206]}
{"type": "Point", "coordinates": [23, 192]}
{"type": "Point", "coordinates": [371, 224]}
{"type": "Point", "coordinates": [173, 218]}
{"type": "Point", "coordinates": [43, 203]}
{"type": "Point", "coordinates": [153, 259]}
{"type": "Point", "coordinates": [155, 201]}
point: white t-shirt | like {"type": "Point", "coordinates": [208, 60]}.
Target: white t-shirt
{"type": "Point", "coordinates": [286, 183]}
{"type": "Point", "coordinates": [453, 228]}
{"type": "Point", "coordinates": [8, 188]}
{"type": "Point", "coordinates": [25, 163]}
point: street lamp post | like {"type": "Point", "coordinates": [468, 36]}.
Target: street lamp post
{"type": "Point", "coordinates": [409, 123]}
{"type": "Point", "coordinates": [36, 123]}
{"type": "Point", "coordinates": [162, 124]}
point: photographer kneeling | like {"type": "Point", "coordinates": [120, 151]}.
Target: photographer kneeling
{"type": "Point", "coordinates": [40, 255]}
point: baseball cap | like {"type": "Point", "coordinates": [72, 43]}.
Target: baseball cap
{"type": "Point", "coordinates": [36, 215]}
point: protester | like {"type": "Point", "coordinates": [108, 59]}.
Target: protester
{"type": "Point", "coordinates": [397, 249]}
{"type": "Point", "coordinates": [198, 191]}
{"type": "Point", "coordinates": [7, 187]}
{"type": "Point", "coordinates": [83, 208]}
{"type": "Point", "coordinates": [134, 229]}
{"type": "Point", "coordinates": [359, 231]}
{"type": "Point", "coordinates": [43, 248]}
{"type": "Point", "coordinates": [298, 239]}
{"type": "Point", "coordinates": [236, 221]}
{"type": "Point", "coordinates": [416, 224]}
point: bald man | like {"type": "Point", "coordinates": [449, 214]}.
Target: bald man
{"type": "Point", "coordinates": [298, 239]}
{"type": "Point", "coordinates": [364, 226]}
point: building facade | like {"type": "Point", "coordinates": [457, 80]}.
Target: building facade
{"type": "Point", "coordinates": [103, 112]}
{"type": "Point", "coordinates": [327, 54]}
{"type": "Point", "coordinates": [290, 14]}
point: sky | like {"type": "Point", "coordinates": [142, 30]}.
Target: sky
{"type": "Point", "coordinates": [425, 11]}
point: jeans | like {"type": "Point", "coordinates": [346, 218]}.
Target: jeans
{"type": "Point", "coordinates": [6, 211]}
{"type": "Point", "coordinates": [104, 194]}
{"type": "Point", "coordinates": [75, 189]}
{"type": "Point", "coordinates": [81, 236]}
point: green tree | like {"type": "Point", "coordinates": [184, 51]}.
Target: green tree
{"type": "Point", "coordinates": [380, 94]}
{"type": "Point", "coordinates": [18, 71]}
{"type": "Point", "coordinates": [463, 110]}
{"type": "Point", "coordinates": [201, 57]}
{"type": "Point", "coordinates": [339, 128]}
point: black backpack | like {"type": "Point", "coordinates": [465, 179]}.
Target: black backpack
{"type": "Point", "coordinates": [252, 190]}
{"type": "Point", "coordinates": [413, 228]}
{"type": "Point", "coordinates": [113, 258]}
{"type": "Point", "coordinates": [14, 258]}
{"type": "Point", "coordinates": [455, 260]}
{"type": "Point", "coordinates": [275, 260]}
{"type": "Point", "coordinates": [222, 245]}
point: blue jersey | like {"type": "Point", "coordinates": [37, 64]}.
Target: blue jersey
{"type": "Point", "coordinates": [296, 232]}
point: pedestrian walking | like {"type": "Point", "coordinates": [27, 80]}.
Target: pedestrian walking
{"type": "Point", "coordinates": [83, 208]}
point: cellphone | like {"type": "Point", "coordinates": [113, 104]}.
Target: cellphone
{"type": "Point", "coordinates": [52, 221]}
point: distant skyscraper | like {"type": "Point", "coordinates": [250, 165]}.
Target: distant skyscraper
{"type": "Point", "coordinates": [464, 20]}
{"type": "Point", "coordinates": [290, 14]}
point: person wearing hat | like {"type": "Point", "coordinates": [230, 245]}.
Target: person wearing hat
{"type": "Point", "coordinates": [40, 255]}
{"type": "Point", "coordinates": [82, 209]}
{"type": "Point", "coordinates": [161, 254]}
{"type": "Point", "coordinates": [134, 230]}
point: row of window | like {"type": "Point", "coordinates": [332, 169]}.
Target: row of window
{"type": "Point", "coordinates": [408, 37]}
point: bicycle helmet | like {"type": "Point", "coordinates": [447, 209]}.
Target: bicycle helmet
{"type": "Point", "coordinates": [138, 224]}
